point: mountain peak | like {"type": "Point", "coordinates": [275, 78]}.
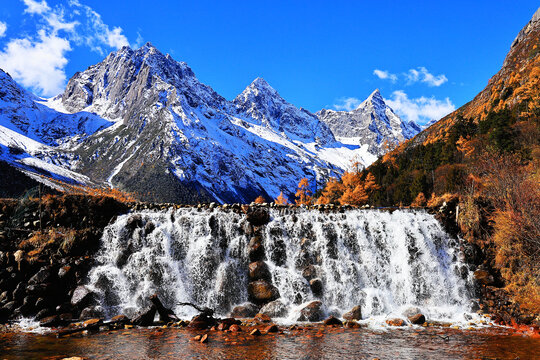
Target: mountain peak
{"type": "Point", "coordinates": [375, 95]}
{"type": "Point", "coordinates": [262, 86]}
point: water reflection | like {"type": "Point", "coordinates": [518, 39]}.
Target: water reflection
{"type": "Point", "coordinates": [308, 344]}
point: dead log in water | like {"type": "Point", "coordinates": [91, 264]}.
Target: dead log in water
{"type": "Point", "coordinates": [165, 314]}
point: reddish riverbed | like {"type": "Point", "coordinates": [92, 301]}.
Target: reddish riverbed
{"type": "Point", "coordinates": [311, 343]}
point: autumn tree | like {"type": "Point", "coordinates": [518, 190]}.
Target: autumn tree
{"type": "Point", "coordinates": [281, 199]}
{"type": "Point", "coordinates": [370, 184]}
{"type": "Point", "coordinates": [420, 200]}
{"type": "Point", "coordinates": [333, 190]}
{"type": "Point", "coordinates": [259, 200]}
{"type": "Point", "coordinates": [303, 193]}
{"type": "Point", "coordinates": [357, 196]}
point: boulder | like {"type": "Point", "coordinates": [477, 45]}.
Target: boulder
{"type": "Point", "coordinates": [262, 318]}
{"type": "Point", "coordinates": [50, 321]}
{"type": "Point", "coordinates": [258, 216]}
{"type": "Point", "coordinates": [255, 249]}
{"type": "Point", "coordinates": [64, 272]}
{"type": "Point", "coordinates": [312, 312]}
{"type": "Point", "coordinates": [202, 321]}
{"type": "Point", "coordinates": [133, 222]}
{"type": "Point", "coordinates": [258, 270]}
{"type": "Point", "coordinates": [120, 320]}
{"type": "Point", "coordinates": [41, 276]}
{"type": "Point", "coordinates": [92, 323]}
{"type": "Point", "coordinates": [246, 310]}
{"type": "Point", "coordinates": [395, 322]}
{"type": "Point", "coordinates": [411, 311]}
{"type": "Point", "coordinates": [309, 272]}
{"type": "Point", "coordinates": [271, 329]}
{"type": "Point", "coordinates": [92, 312]}
{"type": "Point", "coordinates": [81, 296]}
{"type": "Point", "coordinates": [19, 292]}
{"type": "Point", "coordinates": [417, 319]}
{"type": "Point", "coordinates": [354, 314]}
{"type": "Point", "coordinates": [261, 292]}
{"type": "Point", "coordinates": [275, 309]}
{"type": "Point", "coordinates": [235, 328]}
{"type": "Point", "coordinates": [39, 289]}
{"type": "Point", "coordinates": [43, 314]}
{"type": "Point", "coordinates": [483, 277]}
{"type": "Point", "coordinates": [255, 332]}
{"type": "Point", "coordinates": [65, 318]}
{"type": "Point", "coordinates": [145, 317]}
{"type": "Point", "coordinates": [4, 297]}
{"type": "Point", "coordinates": [316, 286]}
{"type": "Point", "coordinates": [331, 320]}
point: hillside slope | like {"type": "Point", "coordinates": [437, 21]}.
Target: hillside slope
{"type": "Point", "coordinates": [484, 156]}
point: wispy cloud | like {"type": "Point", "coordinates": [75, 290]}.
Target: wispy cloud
{"type": "Point", "coordinates": [99, 34]}
{"type": "Point", "coordinates": [420, 110]}
{"type": "Point", "coordinates": [39, 61]}
{"type": "Point", "coordinates": [3, 28]}
{"type": "Point", "coordinates": [385, 75]}
{"type": "Point", "coordinates": [423, 75]}
{"type": "Point", "coordinates": [420, 74]}
{"type": "Point", "coordinates": [347, 104]}
{"type": "Point", "coordinates": [36, 7]}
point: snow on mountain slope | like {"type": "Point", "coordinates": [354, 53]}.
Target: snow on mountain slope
{"type": "Point", "coordinates": [29, 132]}
{"type": "Point", "coordinates": [372, 123]}
{"type": "Point", "coordinates": [174, 132]}
{"type": "Point", "coordinates": [142, 122]}
{"type": "Point", "coordinates": [23, 112]}
{"type": "Point", "coordinates": [260, 102]}
{"type": "Point", "coordinates": [36, 160]}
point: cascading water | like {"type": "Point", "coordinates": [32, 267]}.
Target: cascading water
{"type": "Point", "coordinates": [384, 261]}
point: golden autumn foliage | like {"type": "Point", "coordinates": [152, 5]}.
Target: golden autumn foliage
{"type": "Point", "coordinates": [259, 200]}
{"type": "Point", "coordinates": [351, 189]}
{"type": "Point", "coordinates": [332, 192]}
{"type": "Point", "coordinates": [303, 193]}
{"type": "Point", "coordinates": [357, 196]}
{"type": "Point", "coordinates": [281, 199]}
{"type": "Point", "coordinates": [420, 200]}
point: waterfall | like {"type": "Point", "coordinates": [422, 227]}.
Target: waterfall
{"type": "Point", "coordinates": [383, 261]}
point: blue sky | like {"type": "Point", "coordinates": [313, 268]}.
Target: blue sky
{"type": "Point", "coordinates": [426, 57]}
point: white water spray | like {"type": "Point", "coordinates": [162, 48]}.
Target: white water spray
{"type": "Point", "coordinates": [384, 261]}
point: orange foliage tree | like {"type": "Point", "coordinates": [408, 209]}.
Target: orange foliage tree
{"type": "Point", "coordinates": [281, 199]}
{"type": "Point", "coordinates": [332, 192]}
{"type": "Point", "coordinates": [303, 194]}
{"type": "Point", "coordinates": [420, 200]}
{"type": "Point", "coordinates": [259, 200]}
{"type": "Point", "coordinates": [357, 196]}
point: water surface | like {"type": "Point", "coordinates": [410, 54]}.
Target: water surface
{"type": "Point", "coordinates": [311, 343]}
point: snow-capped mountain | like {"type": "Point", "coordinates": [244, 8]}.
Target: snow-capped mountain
{"type": "Point", "coordinates": [260, 102]}
{"type": "Point", "coordinates": [25, 113]}
{"type": "Point", "coordinates": [373, 123]}
{"type": "Point", "coordinates": [177, 139]}
{"type": "Point", "coordinates": [31, 134]}
{"type": "Point", "coordinates": [142, 122]}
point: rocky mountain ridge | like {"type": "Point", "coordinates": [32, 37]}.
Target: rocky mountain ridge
{"type": "Point", "coordinates": [142, 122]}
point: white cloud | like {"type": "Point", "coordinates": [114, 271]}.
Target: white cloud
{"type": "Point", "coordinates": [38, 64]}
{"type": "Point", "coordinates": [3, 28]}
{"type": "Point", "coordinates": [420, 110]}
{"type": "Point", "coordinates": [423, 75]}
{"type": "Point", "coordinates": [56, 22]}
{"type": "Point", "coordinates": [347, 104]}
{"type": "Point", "coordinates": [36, 7]}
{"type": "Point", "coordinates": [385, 75]}
{"type": "Point", "coordinates": [98, 33]}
